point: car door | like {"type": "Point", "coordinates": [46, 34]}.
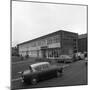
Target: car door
{"type": "Point", "coordinates": [43, 74]}
{"type": "Point", "coordinates": [40, 72]}
{"type": "Point", "coordinates": [46, 72]}
{"type": "Point", "coordinates": [51, 72]}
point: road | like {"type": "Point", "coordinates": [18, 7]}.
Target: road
{"type": "Point", "coordinates": [74, 74]}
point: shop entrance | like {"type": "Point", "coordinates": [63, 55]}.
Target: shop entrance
{"type": "Point", "coordinates": [43, 51]}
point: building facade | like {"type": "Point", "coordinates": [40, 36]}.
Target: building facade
{"type": "Point", "coordinates": [82, 43]}
{"type": "Point", "coordinates": [50, 46]}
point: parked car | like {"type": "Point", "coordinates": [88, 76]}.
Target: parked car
{"type": "Point", "coordinates": [41, 71]}
{"type": "Point", "coordinates": [86, 60]}
{"type": "Point", "coordinates": [79, 56]}
{"type": "Point", "coordinates": [85, 54]}
{"type": "Point", "coordinates": [65, 58]}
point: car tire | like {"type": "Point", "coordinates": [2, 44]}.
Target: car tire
{"type": "Point", "coordinates": [34, 81]}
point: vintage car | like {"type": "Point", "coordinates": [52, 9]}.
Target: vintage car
{"type": "Point", "coordinates": [79, 56]}
{"type": "Point", "coordinates": [41, 71]}
{"type": "Point", "coordinates": [86, 61]}
{"type": "Point", "coordinates": [65, 58]}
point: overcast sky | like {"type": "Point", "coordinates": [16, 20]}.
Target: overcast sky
{"type": "Point", "coordinates": [32, 20]}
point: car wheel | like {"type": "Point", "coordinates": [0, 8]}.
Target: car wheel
{"type": "Point", "coordinates": [57, 73]}
{"type": "Point", "coordinates": [34, 81]}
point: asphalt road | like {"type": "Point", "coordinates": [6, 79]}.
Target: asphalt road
{"type": "Point", "coordinates": [74, 74]}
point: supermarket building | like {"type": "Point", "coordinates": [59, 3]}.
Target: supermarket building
{"type": "Point", "coordinates": [50, 46]}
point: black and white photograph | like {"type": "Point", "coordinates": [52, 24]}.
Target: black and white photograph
{"type": "Point", "coordinates": [49, 44]}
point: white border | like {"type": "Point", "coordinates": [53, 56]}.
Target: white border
{"type": "Point", "coordinates": [5, 43]}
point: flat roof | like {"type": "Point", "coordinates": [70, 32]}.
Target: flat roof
{"type": "Point", "coordinates": [82, 36]}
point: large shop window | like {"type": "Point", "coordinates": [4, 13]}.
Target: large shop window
{"type": "Point", "coordinates": [54, 53]}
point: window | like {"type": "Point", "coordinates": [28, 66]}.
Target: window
{"type": "Point", "coordinates": [45, 66]}
{"type": "Point", "coordinates": [74, 40]}
{"type": "Point", "coordinates": [38, 68]}
{"type": "Point", "coordinates": [56, 53]}
{"type": "Point", "coordinates": [39, 43]}
{"type": "Point", "coordinates": [49, 40]}
{"type": "Point", "coordinates": [41, 67]}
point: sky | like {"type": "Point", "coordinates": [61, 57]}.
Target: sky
{"type": "Point", "coordinates": [32, 20]}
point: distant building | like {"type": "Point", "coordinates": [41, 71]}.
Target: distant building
{"type": "Point", "coordinates": [82, 43]}
{"type": "Point", "coordinates": [15, 51]}
{"type": "Point", "coordinates": [51, 45]}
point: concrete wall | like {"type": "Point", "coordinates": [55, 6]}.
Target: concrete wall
{"type": "Point", "coordinates": [69, 43]}
{"type": "Point", "coordinates": [82, 45]}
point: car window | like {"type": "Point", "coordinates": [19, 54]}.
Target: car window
{"type": "Point", "coordinates": [38, 68]}
{"type": "Point", "coordinates": [42, 67]}
{"type": "Point", "coordinates": [46, 66]}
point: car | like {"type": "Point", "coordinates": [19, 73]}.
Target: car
{"type": "Point", "coordinates": [65, 58]}
{"type": "Point", "coordinates": [86, 61]}
{"type": "Point", "coordinates": [79, 56]}
{"type": "Point", "coordinates": [40, 71]}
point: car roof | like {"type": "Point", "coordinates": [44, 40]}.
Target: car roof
{"type": "Point", "coordinates": [40, 63]}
